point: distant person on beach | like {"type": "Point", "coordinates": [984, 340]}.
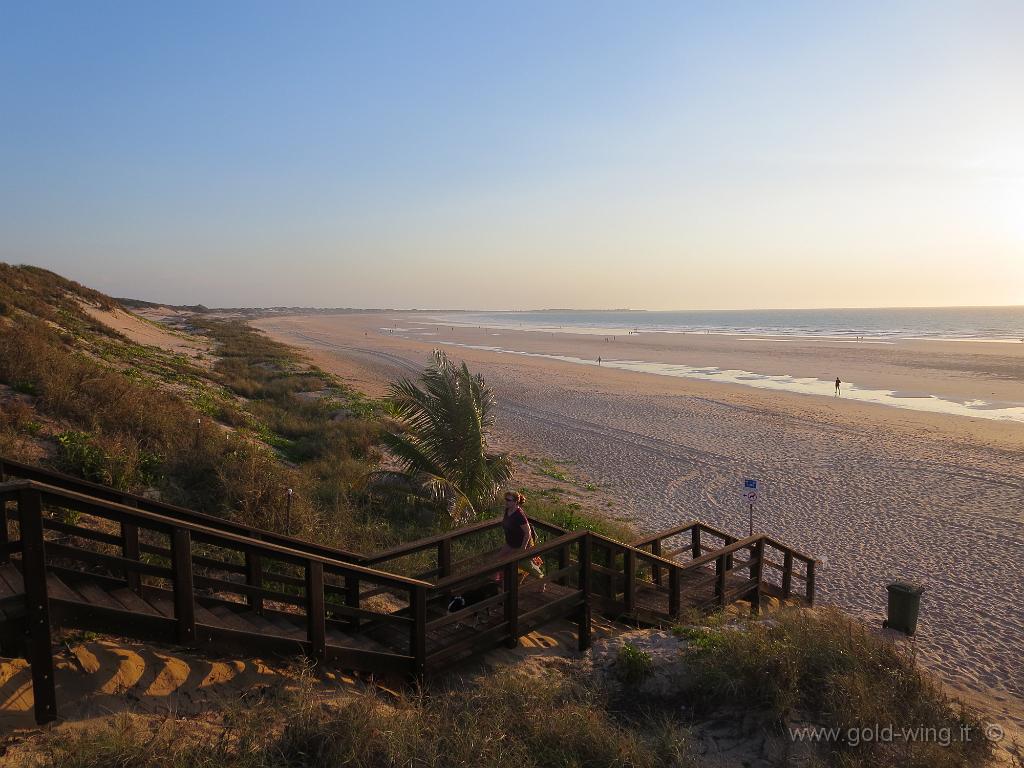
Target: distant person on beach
{"type": "Point", "coordinates": [598, 359]}
{"type": "Point", "coordinates": [838, 382]}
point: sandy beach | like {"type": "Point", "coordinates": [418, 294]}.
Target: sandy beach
{"type": "Point", "coordinates": [877, 492]}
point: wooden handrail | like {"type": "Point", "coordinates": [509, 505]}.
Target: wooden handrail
{"type": "Point", "coordinates": [17, 469]}
{"type": "Point", "coordinates": [712, 556]}
{"type": "Point", "coordinates": [670, 532]}
{"type": "Point", "coordinates": [161, 523]}
{"type": "Point", "coordinates": [786, 548]}
{"type": "Point", "coordinates": [515, 557]}
{"type": "Point", "coordinates": [419, 545]}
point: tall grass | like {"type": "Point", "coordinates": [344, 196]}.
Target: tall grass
{"type": "Point", "coordinates": [504, 721]}
{"type": "Point", "coordinates": [825, 667]}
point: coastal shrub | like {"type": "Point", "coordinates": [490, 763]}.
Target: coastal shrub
{"type": "Point", "coordinates": [634, 664]}
{"type": "Point", "coordinates": [117, 461]}
{"type": "Point", "coordinates": [823, 662]}
{"type": "Point", "coordinates": [573, 516]}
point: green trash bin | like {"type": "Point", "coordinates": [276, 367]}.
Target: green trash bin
{"type": "Point", "coordinates": [904, 605]}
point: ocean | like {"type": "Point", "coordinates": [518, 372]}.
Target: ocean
{"type": "Point", "coordinates": [956, 323]}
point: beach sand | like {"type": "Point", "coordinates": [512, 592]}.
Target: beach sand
{"type": "Point", "coordinates": [876, 492]}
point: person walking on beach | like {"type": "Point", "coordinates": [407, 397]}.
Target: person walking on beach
{"type": "Point", "coordinates": [838, 382]}
{"type": "Point", "coordinates": [598, 359]}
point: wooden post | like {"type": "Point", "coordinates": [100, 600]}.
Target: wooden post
{"type": "Point", "coordinates": [130, 551]}
{"type": "Point", "coordinates": [756, 572]}
{"type": "Point", "coordinates": [418, 632]}
{"type": "Point", "coordinates": [316, 620]}
{"type": "Point", "coordinates": [444, 558]}
{"type": "Point", "coordinates": [629, 582]}
{"type": "Point", "coordinates": [511, 579]}
{"type": "Point", "coordinates": [352, 598]}
{"type": "Point", "coordinates": [5, 555]}
{"type": "Point", "coordinates": [563, 561]}
{"type": "Point", "coordinates": [655, 568]}
{"type": "Point", "coordinates": [810, 582]}
{"type": "Point", "coordinates": [184, 590]}
{"type": "Point", "coordinates": [787, 575]}
{"type": "Point", "coordinates": [673, 593]}
{"type": "Point", "coordinates": [721, 567]}
{"type": "Point", "coordinates": [584, 581]}
{"type": "Point", "coordinates": [37, 605]}
{"type": "Point", "coordinates": [695, 541]}
{"type": "Point", "coordinates": [254, 578]}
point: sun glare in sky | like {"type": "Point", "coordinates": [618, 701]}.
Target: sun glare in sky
{"type": "Point", "coordinates": [461, 155]}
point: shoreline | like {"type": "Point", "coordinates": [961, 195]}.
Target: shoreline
{"type": "Point", "coordinates": [917, 401]}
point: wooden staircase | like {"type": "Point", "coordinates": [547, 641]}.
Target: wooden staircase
{"type": "Point", "coordinates": [77, 555]}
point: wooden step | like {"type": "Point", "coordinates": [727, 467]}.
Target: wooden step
{"type": "Point", "coordinates": [132, 602]}
{"type": "Point", "coordinates": [94, 594]}
{"type": "Point", "coordinates": [232, 620]}
{"type": "Point", "coordinates": [12, 576]}
{"type": "Point", "coordinates": [287, 627]}
{"type": "Point", "coordinates": [263, 625]}
{"type": "Point", "coordinates": [160, 602]}
{"type": "Point", "coordinates": [58, 590]}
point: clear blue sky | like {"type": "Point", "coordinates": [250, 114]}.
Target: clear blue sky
{"type": "Point", "coordinates": [572, 154]}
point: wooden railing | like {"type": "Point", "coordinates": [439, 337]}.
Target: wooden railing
{"type": "Point", "coordinates": [515, 622]}
{"type": "Point", "coordinates": [15, 470]}
{"type": "Point", "coordinates": [449, 552]}
{"type": "Point", "coordinates": [192, 563]}
{"type": "Point", "coordinates": [179, 561]}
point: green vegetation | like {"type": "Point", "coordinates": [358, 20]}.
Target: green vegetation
{"type": "Point", "coordinates": [550, 506]}
{"type": "Point", "coordinates": [634, 664]}
{"type": "Point", "coordinates": [823, 665]}
{"type": "Point", "coordinates": [503, 721]}
{"type": "Point", "coordinates": [441, 441]}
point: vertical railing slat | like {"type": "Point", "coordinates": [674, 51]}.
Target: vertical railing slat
{"type": "Point", "coordinates": [511, 579]}
{"type": "Point", "coordinates": [418, 632]}
{"type": "Point", "coordinates": [352, 598]}
{"type": "Point", "coordinates": [5, 542]}
{"type": "Point", "coordinates": [629, 580]}
{"type": "Point", "coordinates": [673, 593]}
{"type": "Point", "coordinates": [130, 551]}
{"type": "Point", "coordinates": [583, 624]}
{"type": "Point", "coordinates": [184, 588]}
{"type": "Point", "coordinates": [655, 568]}
{"type": "Point", "coordinates": [254, 578]}
{"type": "Point", "coordinates": [721, 567]}
{"type": "Point", "coordinates": [316, 618]}
{"type": "Point", "coordinates": [37, 604]}
{"type": "Point", "coordinates": [444, 558]}
{"type": "Point", "coordinates": [787, 574]}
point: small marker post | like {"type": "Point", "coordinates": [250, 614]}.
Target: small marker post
{"type": "Point", "coordinates": [288, 513]}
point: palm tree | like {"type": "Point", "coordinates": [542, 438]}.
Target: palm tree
{"type": "Point", "coordinates": [442, 441]}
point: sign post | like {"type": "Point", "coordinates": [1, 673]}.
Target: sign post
{"type": "Point", "coordinates": [751, 492]}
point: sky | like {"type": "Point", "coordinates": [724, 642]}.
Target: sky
{"type": "Point", "coordinates": [682, 155]}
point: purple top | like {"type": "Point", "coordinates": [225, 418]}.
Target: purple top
{"type": "Point", "coordinates": [513, 526]}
